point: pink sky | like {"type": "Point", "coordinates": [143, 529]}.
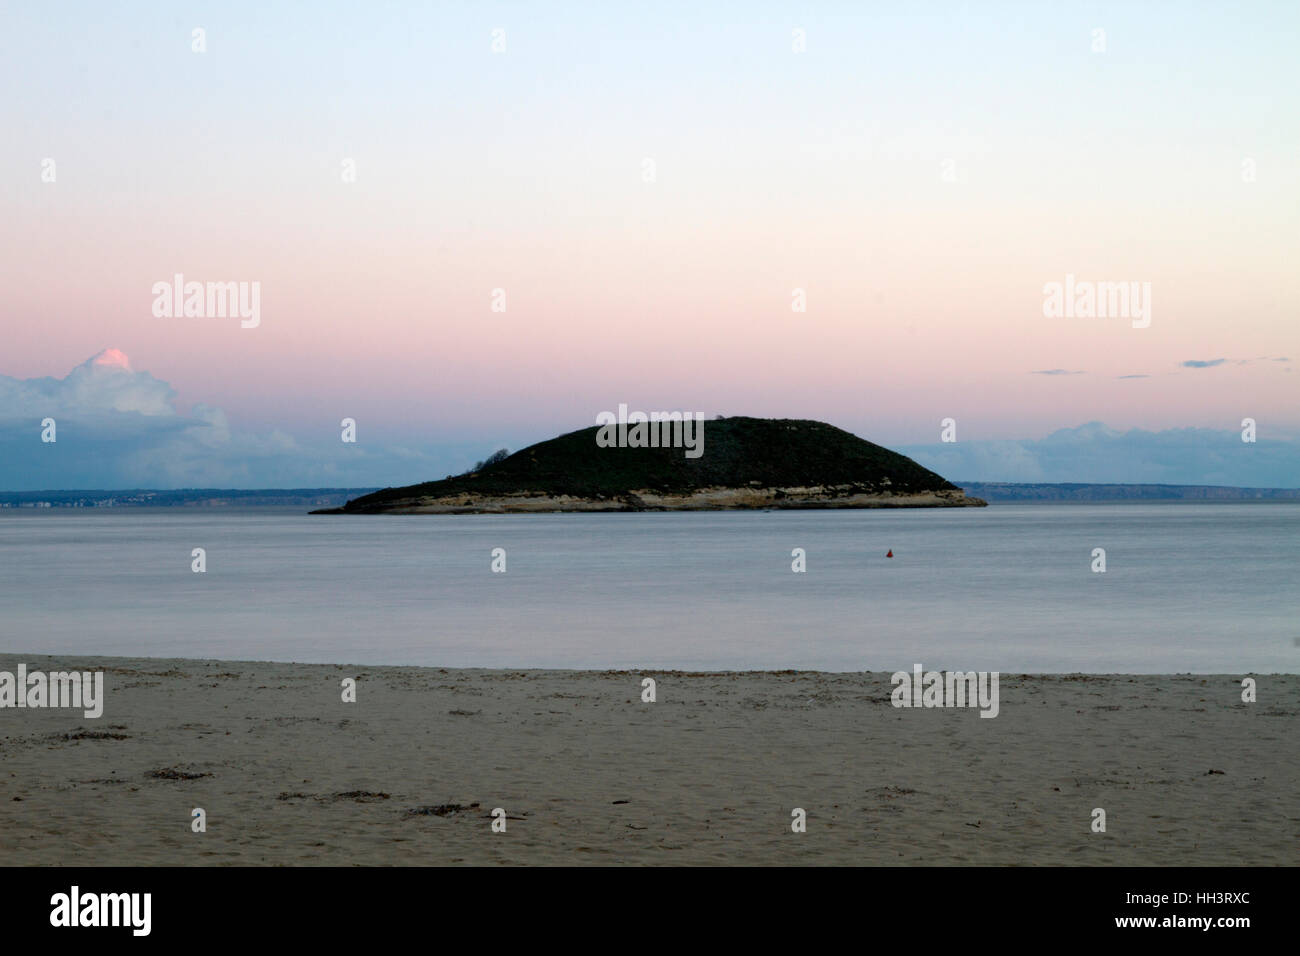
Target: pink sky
{"type": "Point", "coordinates": [524, 172]}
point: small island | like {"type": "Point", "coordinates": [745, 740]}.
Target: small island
{"type": "Point", "coordinates": [748, 463]}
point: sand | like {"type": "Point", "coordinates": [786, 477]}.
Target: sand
{"type": "Point", "coordinates": [588, 774]}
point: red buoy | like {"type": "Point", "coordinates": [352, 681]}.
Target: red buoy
{"type": "Point", "coordinates": [891, 553]}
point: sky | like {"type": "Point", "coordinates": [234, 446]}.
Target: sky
{"type": "Point", "coordinates": [654, 189]}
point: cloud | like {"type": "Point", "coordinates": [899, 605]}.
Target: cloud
{"type": "Point", "coordinates": [1095, 452]}
{"type": "Point", "coordinates": [100, 385]}
{"type": "Point", "coordinates": [1196, 363]}
{"type": "Point", "coordinates": [1132, 376]}
{"type": "Point", "coordinates": [119, 428]}
{"type": "Point", "coordinates": [1263, 358]}
{"type": "Point", "coordinates": [1055, 371]}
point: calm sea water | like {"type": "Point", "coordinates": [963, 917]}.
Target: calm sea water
{"type": "Point", "coordinates": [1188, 587]}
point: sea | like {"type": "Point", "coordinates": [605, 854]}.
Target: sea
{"type": "Point", "coordinates": [1187, 587]}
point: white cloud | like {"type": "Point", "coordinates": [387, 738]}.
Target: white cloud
{"type": "Point", "coordinates": [119, 428]}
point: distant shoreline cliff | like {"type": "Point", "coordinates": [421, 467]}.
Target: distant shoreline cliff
{"type": "Point", "coordinates": [747, 463]}
{"type": "Point", "coordinates": [1071, 491]}
{"type": "Point", "coordinates": [181, 498]}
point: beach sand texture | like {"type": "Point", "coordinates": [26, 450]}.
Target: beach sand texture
{"type": "Point", "coordinates": [587, 773]}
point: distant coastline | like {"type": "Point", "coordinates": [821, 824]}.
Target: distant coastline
{"type": "Point", "coordinates": [992, 491]}
{"type": "Point", "coordinates": [1074, 491]}
{"type": "Point", "coordinates": [182, 498]}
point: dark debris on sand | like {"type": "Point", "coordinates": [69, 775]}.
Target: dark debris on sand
{"type": "Point", "coordinates": [175, 773]}
{"type": "Point", "coordinates": [91, 735]}
{"type": "Point", "coordinates": [441, 810]}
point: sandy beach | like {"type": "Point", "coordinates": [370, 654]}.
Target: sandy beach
{"type": "Point", "coordinates": [290, 774]}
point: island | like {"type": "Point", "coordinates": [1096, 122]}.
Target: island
{"type": "Point", "coordinates": [747, 463]}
